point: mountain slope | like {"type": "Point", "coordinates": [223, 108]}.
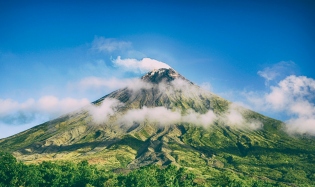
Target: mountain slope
{"type": "Point", "coordinates": [165, 119]}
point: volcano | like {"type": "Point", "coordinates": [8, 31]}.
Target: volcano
{"type": "Point", "coordinates": [163, 118]}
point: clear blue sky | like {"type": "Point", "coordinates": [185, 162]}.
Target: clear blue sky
{"type": "Point", "coordinates": [47, 48]}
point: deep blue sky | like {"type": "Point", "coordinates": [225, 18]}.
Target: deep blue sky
{"type": "Point", "coordinates": [45, 46]}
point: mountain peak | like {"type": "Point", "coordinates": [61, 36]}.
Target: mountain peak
{"type": "Point", "coordinates": [163, 74]}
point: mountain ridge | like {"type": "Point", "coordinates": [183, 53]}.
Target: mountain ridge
{"type": "Point", "coordinates": [165, 119]}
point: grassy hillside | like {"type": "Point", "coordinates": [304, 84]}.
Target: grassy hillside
{"type": "Point", "coordinates": [216, 153]}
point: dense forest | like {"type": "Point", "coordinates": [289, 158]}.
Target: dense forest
{"type": "Point", "coordinates": [15, 173]}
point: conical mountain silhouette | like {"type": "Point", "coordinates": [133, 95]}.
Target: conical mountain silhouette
{"type": "Point", "coordinates": [163, 118]}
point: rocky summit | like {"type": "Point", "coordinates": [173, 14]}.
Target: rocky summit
{"type": "Point", "coordinates": [162, 119]}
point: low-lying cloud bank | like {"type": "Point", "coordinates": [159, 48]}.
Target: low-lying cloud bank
{"type": "Point", "coordinates": [164, 116]}
{"type": "Point", "coordinates": [47, 104]}
{"type": "Point", "coordinates": [102, 113]}
{"type": "Point", "coordinates": [234, 116]}
{"type": "Point", "coordinates": [17, 116]}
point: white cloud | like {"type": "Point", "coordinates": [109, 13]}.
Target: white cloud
{"type": "Point", "coordinates": [9, 106]}
{"type": "Point", "coordinates": [164, 116]}
{"type": "Point", "coordinates": [159, 115]}
{"type": "Point", "coordinates": [200, 119]}
{"type": "Point", "coordinates": [50, 105]}
{"type": "Point", "coordinates": [277, 70]}
{"type": "Point", "coordinates": [100, 114]}
{"type": "Point", "coordinates": [301, 125]}
{"type": "Point", "coordinates": [290, 91]}
{"type": "Point", "coordinates": [293, 96]}
{"type": "Point", "coordinates": [102, 44]}
{"type": "Point", "coordinates": [235, 117]}
{"type": "Point", "coordinates": [139, 66]}
{"type": "Point", "coordinates": [55, 106]}
{"type": "Point", "coordinates": [33, 112]}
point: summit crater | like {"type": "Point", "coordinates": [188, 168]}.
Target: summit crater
{"type": "Point", "coordinates": [163, 74]}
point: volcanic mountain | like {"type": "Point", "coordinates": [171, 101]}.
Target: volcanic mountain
{"type": "Point", "coordinates": [163, 119]}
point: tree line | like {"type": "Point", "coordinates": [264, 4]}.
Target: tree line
{"type": "Point", "coordinates": [82, 174]}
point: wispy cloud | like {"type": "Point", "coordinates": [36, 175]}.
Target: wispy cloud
{"type": "Point", "coordinates": [102, 44]}
{"type": "Point", "coordinates": [101, 113]}
{"type": "Point", "coordinates": [34, 112]}
{"type": "Point", "coordinates": [46, 104]}
{"type": "Point", "coordinates": [165, 116]}
{"type": "Point", "coordinates": [277, 70]}
{"type": "Point", "coordinates": [139, 66]}
{"type": "Point", "coordinates": [162, 116]}
{"type": "Point", "coordinates": [235, 117]}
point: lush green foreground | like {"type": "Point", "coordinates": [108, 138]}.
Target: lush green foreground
{"type": "Point", "coordinates": [14, 173]}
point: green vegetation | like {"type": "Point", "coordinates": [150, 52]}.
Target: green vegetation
{"type": "Point", "coordinates": [62, 152]}
{"type": "Point", "coordinates": [14, 173]}
{"type": "Point", "coordinates": [215, 156]}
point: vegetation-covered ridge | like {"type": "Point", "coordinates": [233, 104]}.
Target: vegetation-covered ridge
{"type": "Point", "coordinates": [220, 150]}
{"type": "Point", "coordinates": [77, 174]}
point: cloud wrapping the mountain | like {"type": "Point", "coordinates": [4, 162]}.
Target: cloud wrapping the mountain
{"type": "Point", "coordinates": [200, 119]}
{"type": "Point", "coordinates": [159, 115]}
{"type": "Point", "coordinates": [180, 86]}
{"type": "Point", "coordinates": [235, 117]}
{"type": "Point", "coordinates": [139, 66]}
{"type": "Point", "coordinates": [164, 116]}
{"type": "Point", "coordinates": [104, 111]}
